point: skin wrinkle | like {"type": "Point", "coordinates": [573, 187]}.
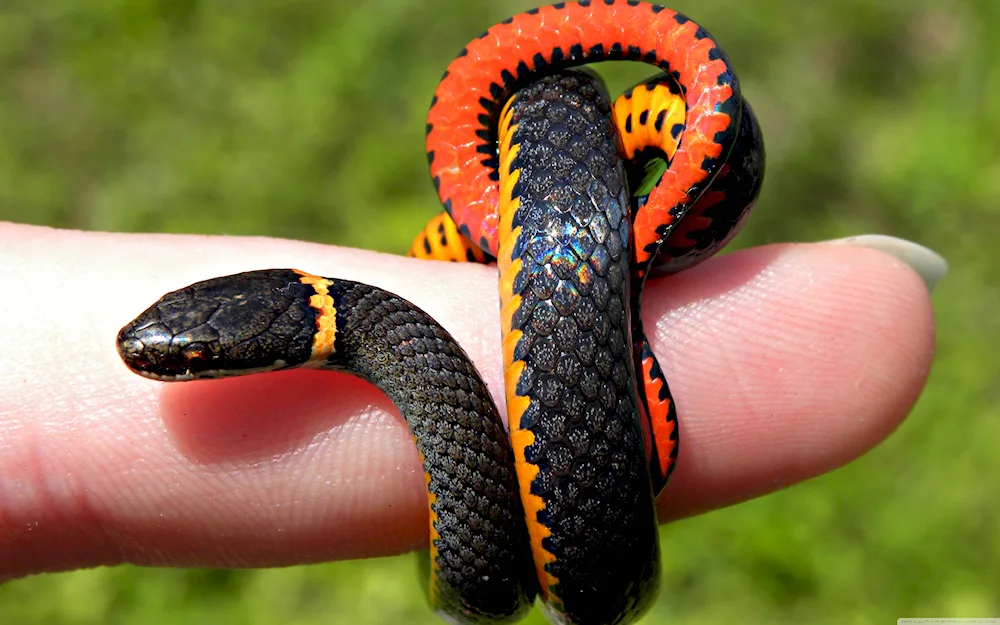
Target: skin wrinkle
{"type": "Point", "coordinates": [347, 481]}
{"type": "Point", "coordinates": [42, 483]}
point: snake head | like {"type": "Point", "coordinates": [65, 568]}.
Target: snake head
{"type": "Point", "coordinates": [228, 326]}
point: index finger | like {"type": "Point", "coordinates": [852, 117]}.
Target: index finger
{"type": "Point", "coordinates": [785, 362]}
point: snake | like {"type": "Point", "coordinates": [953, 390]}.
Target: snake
{"type": "Point", "coordinates": [578, 201]}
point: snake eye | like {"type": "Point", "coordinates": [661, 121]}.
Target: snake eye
{"type": "Point", "coordinates": [195, 355]}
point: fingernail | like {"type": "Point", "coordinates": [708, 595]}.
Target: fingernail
{"type": "Point", "coordinates": [929, 264]}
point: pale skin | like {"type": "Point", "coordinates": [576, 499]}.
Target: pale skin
{"type": "Point", "coordinates": [786, 361]}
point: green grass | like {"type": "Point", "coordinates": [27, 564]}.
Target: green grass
{"type": "Point", "coordinates": [304, 119]}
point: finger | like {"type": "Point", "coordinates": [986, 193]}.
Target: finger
{"type": "Point", "coordinates": [784, 361]}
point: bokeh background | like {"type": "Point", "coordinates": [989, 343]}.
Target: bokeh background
{"type": "Point", "coordinates": [304, 119]}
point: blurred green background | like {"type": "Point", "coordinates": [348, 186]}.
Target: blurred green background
{"type": "Point", "coordinates": [304, 119]}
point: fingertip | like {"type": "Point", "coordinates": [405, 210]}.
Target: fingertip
{"type": "Point", "coordinates": [785, 361]}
